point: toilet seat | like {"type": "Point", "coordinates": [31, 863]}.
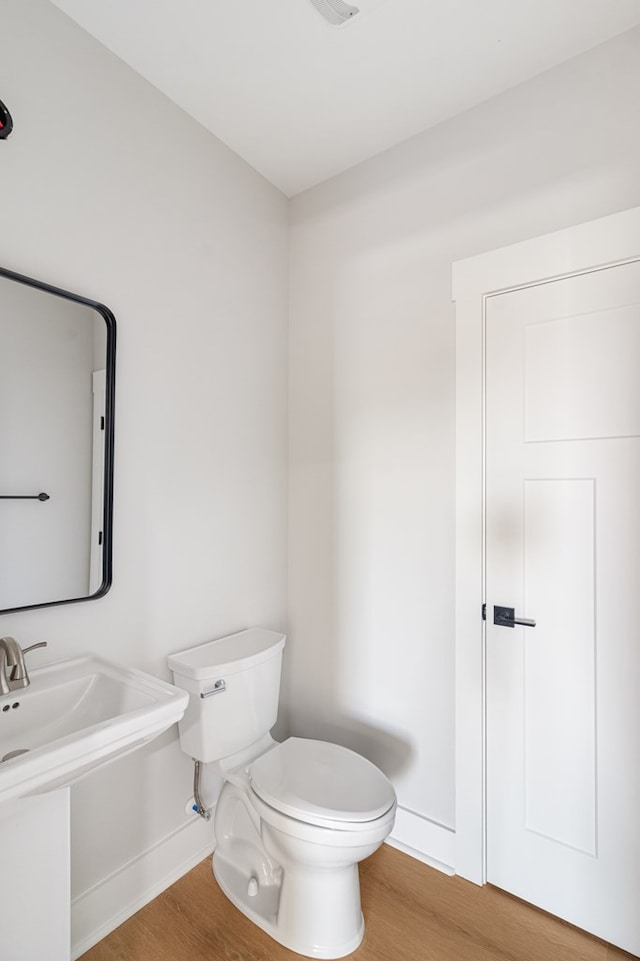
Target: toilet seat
{"type": "Point", "coordinates": [319, 783]}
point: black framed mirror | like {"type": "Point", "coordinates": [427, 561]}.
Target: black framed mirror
{"type": "Point", "coordinates": [57, 389]}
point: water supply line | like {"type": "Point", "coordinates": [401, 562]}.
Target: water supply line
{"type": "Point", "coordinates": [199, 807]}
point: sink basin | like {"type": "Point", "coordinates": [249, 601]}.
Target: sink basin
{"type": "Point", "coordinates": [76, 715]}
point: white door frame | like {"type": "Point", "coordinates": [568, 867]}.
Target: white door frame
{"type": "Point", "coordinates": [575, 250]}
{"type": "Point", "coordinates": [96, 548]}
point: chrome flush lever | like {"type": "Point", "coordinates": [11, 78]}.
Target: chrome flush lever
{"type": "Point", "coordinates": [218, 688]}
{"type": "Point", "coordinates": [505, 617]}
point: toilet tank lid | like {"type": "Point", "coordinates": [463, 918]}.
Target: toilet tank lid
{"type": "Point", "coordinates": [227, 655]}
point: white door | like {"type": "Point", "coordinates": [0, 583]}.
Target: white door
{"type": "Point", "coordinates": [563, 548]}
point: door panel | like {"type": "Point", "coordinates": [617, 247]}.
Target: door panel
{"type": "Point", "coordinates": [559, 678]}
{"type": "Point", "coordinates": [569, 391]}
{"type": "Point", "coordinates": [563, 536]}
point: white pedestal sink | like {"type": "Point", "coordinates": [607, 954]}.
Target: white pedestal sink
{"type": "Point", "coordinates": [76, 715]}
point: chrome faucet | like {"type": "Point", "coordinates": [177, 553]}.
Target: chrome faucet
{"type": "Point", "coordinates": [13, 671]}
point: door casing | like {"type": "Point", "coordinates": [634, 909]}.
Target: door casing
{"type": "Point", "coordinates": [607, 241]}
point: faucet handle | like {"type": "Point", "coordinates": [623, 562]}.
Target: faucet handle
{"type": "Point", "coordinates": [19, 676]}
{"type": "Point", "coordinates": [33, 647]}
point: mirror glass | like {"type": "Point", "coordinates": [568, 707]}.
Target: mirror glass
{"type": "Point", "coordinates": [57, 377]}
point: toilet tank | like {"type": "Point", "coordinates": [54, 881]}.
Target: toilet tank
{"type": "Point", "coordinates": [234, 683]}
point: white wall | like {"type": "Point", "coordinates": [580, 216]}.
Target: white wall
{"type": "Point", "coordinates": [370, 660]}
{"type": "Point", "coordinates": [108, 190]}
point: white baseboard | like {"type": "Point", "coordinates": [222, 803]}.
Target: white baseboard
{"type": "Point", "coordinates": [101, 909]}
{"type": "Point", "coordinates": [424, 839]}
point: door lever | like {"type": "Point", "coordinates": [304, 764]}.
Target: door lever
{"type": "Point", "coordinates": [505, 617]}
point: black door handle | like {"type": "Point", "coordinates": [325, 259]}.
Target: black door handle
{"type": "Point", "coordinates": [505, 617]}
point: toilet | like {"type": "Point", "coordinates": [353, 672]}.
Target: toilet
{"type": "Point", "coordinates": [293, 818]}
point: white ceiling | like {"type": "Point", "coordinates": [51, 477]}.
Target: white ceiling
{"type": "Point", "coordinates": [301, 100]}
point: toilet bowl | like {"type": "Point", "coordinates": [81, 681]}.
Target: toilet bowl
{"type": "Point", "coordinates": [293, 818]}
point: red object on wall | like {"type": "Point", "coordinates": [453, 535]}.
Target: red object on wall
{"type": "Point", "coordinates": [6, 123]}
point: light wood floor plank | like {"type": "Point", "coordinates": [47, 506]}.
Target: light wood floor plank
{"type": "Point", "coordinates": [412, 913]}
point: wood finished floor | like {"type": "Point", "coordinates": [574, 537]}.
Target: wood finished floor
{"type": "Point", "coordinates": [412, 913]}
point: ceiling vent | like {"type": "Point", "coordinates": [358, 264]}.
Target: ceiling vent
{"type": "Point", "coordinates": [335, 11]}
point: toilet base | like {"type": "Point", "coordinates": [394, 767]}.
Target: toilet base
{"type": "Point", "coordinates": [295, 880]}
{"type": "Point", "coordinates": [315, 914]}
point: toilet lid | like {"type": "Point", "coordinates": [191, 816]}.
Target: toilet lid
{"type": "Point", "coordinates": [311, 780]}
